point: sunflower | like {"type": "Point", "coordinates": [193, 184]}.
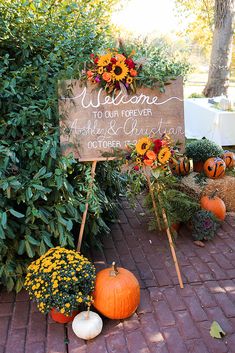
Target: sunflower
{"type": "Point", "coordinates": [120, 71]}
{"type": "Point", "coordinates": [104, 60]}
{"type": "Point", "coordinates": [100, 70]}
{"type": "Point", "coordinates": [129, 80]}
{"type": "Point", "coordinates": [143, 145]}
{"type": "Point", "coordinates": [164, 155]}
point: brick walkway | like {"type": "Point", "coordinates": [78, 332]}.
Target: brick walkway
{"type": "Point", "coordinates": [168, 320]}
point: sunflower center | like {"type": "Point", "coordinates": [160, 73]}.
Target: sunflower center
{"type": "Point", "coordinates": [144, 145]}
{"type": "Point", "coordinates": [118, 70]}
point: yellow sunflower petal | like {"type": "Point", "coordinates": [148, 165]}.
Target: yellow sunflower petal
{"type": "Point", "coordinates": [164, 155]}
{"type": "Point", "coordinates": [119, 71]}
{"type": "Point", "coordinates": [104, 60]}
{"type": "Point", "coordinates": [143, 144]}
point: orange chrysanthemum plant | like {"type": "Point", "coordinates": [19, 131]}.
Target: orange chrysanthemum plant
{"type": "Point", "coordinates": [114, 71]}
{"type": "Point", "coordinates": [151, 153]}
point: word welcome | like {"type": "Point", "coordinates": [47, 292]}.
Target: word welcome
{"type": "Point", "coordinates": [88, 101]}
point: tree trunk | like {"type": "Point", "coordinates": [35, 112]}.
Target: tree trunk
{"type": "Point", "coordinates": [221, 53]}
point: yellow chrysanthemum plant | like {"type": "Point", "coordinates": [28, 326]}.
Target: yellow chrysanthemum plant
{"type": "Point", "coordinates": [151, 153]}
{"type": "Point", "coordinates": [60, 279]}
{"type": "Point", "coordinates": [114, 71]}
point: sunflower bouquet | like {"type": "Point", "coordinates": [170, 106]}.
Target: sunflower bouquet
{"type": "Point", "coordinates": [114, 71]}
{"type": "Point", "coordinates": [153, 153]}
{"type": "Point", "coordinates": [60, 279]}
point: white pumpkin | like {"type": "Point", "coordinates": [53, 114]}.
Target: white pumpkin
{"type": "Point", "coordinates": [87, 325]}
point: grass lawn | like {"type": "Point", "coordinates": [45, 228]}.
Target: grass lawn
{"type": "Point", "coordinates": [197, 81]}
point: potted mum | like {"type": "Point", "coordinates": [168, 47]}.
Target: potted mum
{"type": "Point", "coordinates": [61, 281]}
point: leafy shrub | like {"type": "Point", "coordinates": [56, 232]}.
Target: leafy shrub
{"type": "Point", "coordinates": [160, 63]}
{"type": "Point", "coordinates": [42, 193]}
{"type": "Point", "coordinates": [201, 150]}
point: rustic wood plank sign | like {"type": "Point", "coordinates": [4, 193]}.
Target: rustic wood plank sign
{"type": "Point", "coordinates": [93, 122]}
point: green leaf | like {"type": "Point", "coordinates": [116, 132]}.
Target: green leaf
{"type": "Point", "coordinates": [42, 248]}
{"type": "Point", "coordinates": [2, 233]}
{"type": "Point", "coordinates": [4, 220]}
{"type": "Point", "coordinates": [16, 214]}
{"type": "Point", "coordinates": [29, 250]}
{"type": "Point", "coordinates": [216, 331]}
{"type": "Point", "coordinates": [10, 284]}
{"type": "Point", "coordinates": [21, 248]}
{"type": "Point", "coordinates": [29, 193]}
{"type": "Point", "coordinates": [155, 173]}
{"type": "Point", "coordinates": [19, 285]}
{"type": "Point", "coordinates": [32, 240]}
{"type": "Point", "coordinates": [40, 173]}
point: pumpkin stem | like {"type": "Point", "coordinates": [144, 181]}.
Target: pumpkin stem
{"type": "Point", "coordinates": [88, 312]}
{"type": "Point", "coordinates": [213, 194]}
{"type": "Point", "coordinates": [114, 271]}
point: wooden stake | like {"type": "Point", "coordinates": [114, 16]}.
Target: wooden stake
{"type": "Point", "coordinates": [93, 167]}
{"type": "Point", "coordinates": [167, 229]}
{"type": "Point", "coordinates": [153, 201]}
{"type": "Point", "coordinates": [172, 247]}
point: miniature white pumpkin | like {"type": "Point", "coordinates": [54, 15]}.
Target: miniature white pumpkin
{"type": "Point", "coordinates": [87, 325]}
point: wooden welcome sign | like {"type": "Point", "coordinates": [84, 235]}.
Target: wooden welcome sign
{"type": "Point", "coordinates": [93, 122]}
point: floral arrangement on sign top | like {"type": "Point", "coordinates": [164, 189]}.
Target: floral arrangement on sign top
{"type": "Point", "coordinates": [60, 279]}
{"type": "Point", "coordinates": [113, 71]}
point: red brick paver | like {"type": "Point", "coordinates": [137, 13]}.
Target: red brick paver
{"type": "Point", "coordinates": [168, 320]}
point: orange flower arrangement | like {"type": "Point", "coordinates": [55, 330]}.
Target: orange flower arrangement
{"type": "Point", "coordinates": [113, 71]}
{"type": "Point", "coordinates": [150, 152]}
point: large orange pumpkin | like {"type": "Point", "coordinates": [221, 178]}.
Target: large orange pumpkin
{"type": "Point", "coordinates": [214, 167]}
{"type": "Point", "coordinates": [229, 158]}
{"type": "Point", "coordinates": [117, 293]}
{"type": "Point", "coordinates": [214, 204]}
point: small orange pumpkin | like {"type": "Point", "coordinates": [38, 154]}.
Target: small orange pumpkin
{"type": "Point", "coordinates": [198, 166]}
{"type": "Point", "coordinates": [185, 166]}
{"type": "Point", "coordinates": [229, 158]}
{"type": "Point", "coordinates": [117, 292]}
{"type": "Point", "coordinates": [180, 166]}
{"type": "Point", "coordinates": [174, 166]}
{"type": "Point", "coordinates": [214, 204]}
{"type": "Point", "coordinates": [214, 167]}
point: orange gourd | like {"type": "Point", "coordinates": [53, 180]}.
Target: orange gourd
{"type": "Point", "coordinates": [229, 158]}
{"type": "Point", "coordinates": [180, 166]}
{"type": "Point", "coordinates": [214, 167]}
{"type": "Point", "coordinates": [117, 292]}
{"type": "Point", "coordinates": [214, 204]}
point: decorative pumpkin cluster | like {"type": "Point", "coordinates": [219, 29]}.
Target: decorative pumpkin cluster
{"type": "Point", "coordinates": [113, 71]}
{"type": "Point", "coordinates": [60, 279]}
{"type": "Point", "coordinates": [150, 152]}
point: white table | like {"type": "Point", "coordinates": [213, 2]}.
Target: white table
{"type": "Point", "coordinates": [203, 120]}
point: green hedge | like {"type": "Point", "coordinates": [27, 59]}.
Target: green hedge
{"type": "Point", "coordinates": [43, 194]}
